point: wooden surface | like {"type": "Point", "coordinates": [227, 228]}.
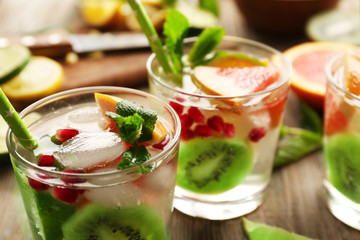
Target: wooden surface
{"type": "Point", "coordinates": [294, 199]}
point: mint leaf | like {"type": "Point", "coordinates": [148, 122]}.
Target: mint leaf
{"type": "Point", "coordinates": [134, 156]}
{"type": "Point", "coordinates": [210, 5]}
{"type": "Point", "coordinates": [126, 108]}
{"type": "Point", "coordinates": [176, 27]}
{"type": "Point", "coordinates": [208, 40]}
{"type": "Point", "coordinates": [295, 144]}
{"type": "Point", "coordinates": [311, 119]}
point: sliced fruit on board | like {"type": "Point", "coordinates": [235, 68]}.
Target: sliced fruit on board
{"type": "Point", "coordinates": [41, 77]}
{"type": "Point", "coordinates": [235, 81]}
{"type": "Point", "coordinates": [308, 60]}
{"type": "Point", "coordinates": [13, 59]}
{"type": "Point", "coordinates": [352, 71]}
{"type": "Point", "coordinates": [213, 165]}
{"type": "Point", "coordinates": [260, 231]}
{"type": "Point", "coordinates": [109, 103]}
{"type": "Point", "coordinates": [99, 13]}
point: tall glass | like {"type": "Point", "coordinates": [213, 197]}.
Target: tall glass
{"type": "Point", "coordinates": [100, 202]}
{"type": "Point", "coordinates": [228, 143]}
{"type": "Point", "coordinates": [342, 146]}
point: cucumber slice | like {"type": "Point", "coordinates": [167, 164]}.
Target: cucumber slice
{"type": "Point", "coordinates": [335, 25]}
{"type": "Point", "coordinates": [259, 231]}
{"type": "Point", "coordinates": [13, 59]}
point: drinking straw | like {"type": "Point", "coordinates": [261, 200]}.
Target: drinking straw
{"type": "Point", "coordinates": [15, 123]}
{"type": "Point", "coordinates": [152, 36]}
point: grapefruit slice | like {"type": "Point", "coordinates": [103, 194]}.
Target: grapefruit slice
{"type": "Point", "coordinates": [308, 80]}
{"type": "Point", "coordinates": [235, 81]}
{"type": "Point", "coordinates": [352, 71]}
{"type": "Point", "coordinates": [108, 103]}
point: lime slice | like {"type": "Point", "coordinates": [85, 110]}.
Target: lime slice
{"type": "Point", "coordinates": [13, 59]}
{"type": "Point", "coordinates": [41, 77]}
{"type": "Point", "coordinates": [4, 156]}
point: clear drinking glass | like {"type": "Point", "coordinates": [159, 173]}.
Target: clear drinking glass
{"type": "Point", "coordinates": [101, 201]}
{"type": "Point", "coordinates": [342, 146]}
{"type": "Point", "coordinates": [227, 142]}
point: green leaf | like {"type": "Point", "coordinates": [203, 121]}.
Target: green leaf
{"type": "Point", "coordinates": [296, 143]}
{"type": "Point", "coordinates": [126, 108]}
{"type": "Point", "coordinates": [311, 119]}
{"type": "Point", "coordinates": [208, 40]}
{"type": "Point", "coordinates": [176, 27]}
{"type": "Point", "coordinates": [210, 5]}
{"type": "Point", "coordinates": [134, 156]}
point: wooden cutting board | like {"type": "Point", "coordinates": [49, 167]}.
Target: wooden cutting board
{"type": "Point", "coordinates": [124, 69]}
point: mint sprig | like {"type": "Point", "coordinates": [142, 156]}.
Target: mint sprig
{"type": "Point", "coordinates": [136, 125]}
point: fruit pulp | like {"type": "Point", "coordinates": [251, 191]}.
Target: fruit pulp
{"type": "Point", "coordinates": [341, 151]}
{"type": "Point", "coordinates": [227, 143]}
{"type": "Point", "coordinates": [59, 207]}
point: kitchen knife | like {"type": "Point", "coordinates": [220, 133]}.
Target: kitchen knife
{"type": "Point", "coordinates": [58, 43]}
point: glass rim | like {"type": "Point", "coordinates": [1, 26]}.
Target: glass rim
{"type": "Point", "coordinates": [29, 165]}
{"type": "Point", "coordinates": [331, 79]}
{"type": "Point", "coordinates": [285, 79]}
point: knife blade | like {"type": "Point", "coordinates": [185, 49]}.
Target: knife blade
{"type": "Point", "coordinates": [58, 43]}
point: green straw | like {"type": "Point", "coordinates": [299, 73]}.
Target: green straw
{"type": "Point", "coordinates": [15, 123]}
{"type": "Point", "coordinates": [152, 36]}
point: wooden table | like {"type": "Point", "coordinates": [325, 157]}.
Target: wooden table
{"type": "Point", "coordinates": [294, 199]}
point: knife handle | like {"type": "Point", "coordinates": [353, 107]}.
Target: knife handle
{"type": "Point", "coordinates": [51, 44]}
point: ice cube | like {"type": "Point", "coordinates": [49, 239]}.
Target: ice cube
{"type": "Point", "coordinates": [89, 149]}
{"type": "Point", "coordinates": [86, 118]}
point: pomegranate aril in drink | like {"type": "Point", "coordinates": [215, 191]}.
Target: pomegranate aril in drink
{"type": "Point", "coordinates": [177, 107]}
{"type": "Point", "coordinates": [46, 160]}
{"type": "Point", "coordinates": [38, 186]}
{"type": "Point", "coordinates": [257, 133]}
{"type": "Point", "coordinates": [216, 123]}
{"type": "Point", "coordinates": [72, 179]}
{"type": "Point", "coordinates": [66, 194]}
{"type": "Point", "coordinates": [203, 131]}
{"type": "Point", "coordinates": [229, 130]}
{"type": "Point", "coordinates": [66, 134]}
{"type": "Point", "coordinates": [186, 120]}
{"type": "Point", "coordinates": [196, 115]}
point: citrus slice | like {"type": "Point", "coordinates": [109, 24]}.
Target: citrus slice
{"type": "Point", "coordinates": [41, 77]}
{"type": "Point", "coordinates": [13, 59]}
{"type": "Point", "coordinates": [226, 60]}
{"type": "Point", "coordinates": [99, 13]}
{"type": "Point", "coordinates": [352, 71]}
{"type": "Point", "coordinates": [308, 60]}
{"type": "Point", "coordinates": [108, 103]}
{"type": "Point", "coordinates": [235, 81]}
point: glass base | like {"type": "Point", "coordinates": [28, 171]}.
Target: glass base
{"type": "Point", "coordinates": [342, 208]}
{"type": "Point", "coordinates": [217, 210]}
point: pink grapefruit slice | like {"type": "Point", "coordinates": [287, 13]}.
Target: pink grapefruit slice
{"type": "Point", "coordinates": [308, 80]}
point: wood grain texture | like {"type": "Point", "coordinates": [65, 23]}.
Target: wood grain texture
{"type": "Point", "coordinates": [294, 200]}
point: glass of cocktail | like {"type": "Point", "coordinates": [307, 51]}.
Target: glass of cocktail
{"type": "Point", "coordinates": [231, 108]}
{"type": "Point", "coordinates": [342, 138]}
{"type": "Point", "coordinates": [105, 166]}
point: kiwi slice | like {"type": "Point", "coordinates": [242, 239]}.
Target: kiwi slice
{"type": "Point", "coordinates": [335, 25]}
{"type": "Point", "coordinates": [342, 154]}
{"type": "Point", "coordinates": [105, 223]}
{"type": "Point", "coordinates": [260, 231]}
{"type": "Point", "coordinates": [213, 165]}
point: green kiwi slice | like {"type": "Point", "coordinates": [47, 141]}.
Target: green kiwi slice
{"type": "Point", "coordinates": [260, 231]}
{"type": "Point", "coordinates": [98, 222]}
{"type": "Point", "coordinates": [213, 165]}
{"type": "Point", "coordinates": [342, 155]}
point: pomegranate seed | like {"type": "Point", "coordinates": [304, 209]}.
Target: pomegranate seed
{"type": "Point", "coordinates": [196, 115]}
{"type": "Point", "coordinates": [162, 144]}
{"type": "Point", "coordinates": [177, 107]}
{"type": "Point", "coordinates": [229, 130]}
{"type": "Point", "coordinates": [46, 160]}
{"type": "Point", "coordinates": [186, 134]}
{"type": "Point", "coordinates": [186, 120]}
{"type": "Point", "coordinates": [216, 123]}
{"type": "Point", "coordinates": [65, 134]}
{"type": "Point", "coordinates": [257, 133]}
{"type": "Point", "coordinates": [71, 179]}
{"type": "Point", "coordinates": [203, 131]}
{"type": "Point", "coordinates": [66, 194]}
{"type": "Point", "coordinates": [38, 186]}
